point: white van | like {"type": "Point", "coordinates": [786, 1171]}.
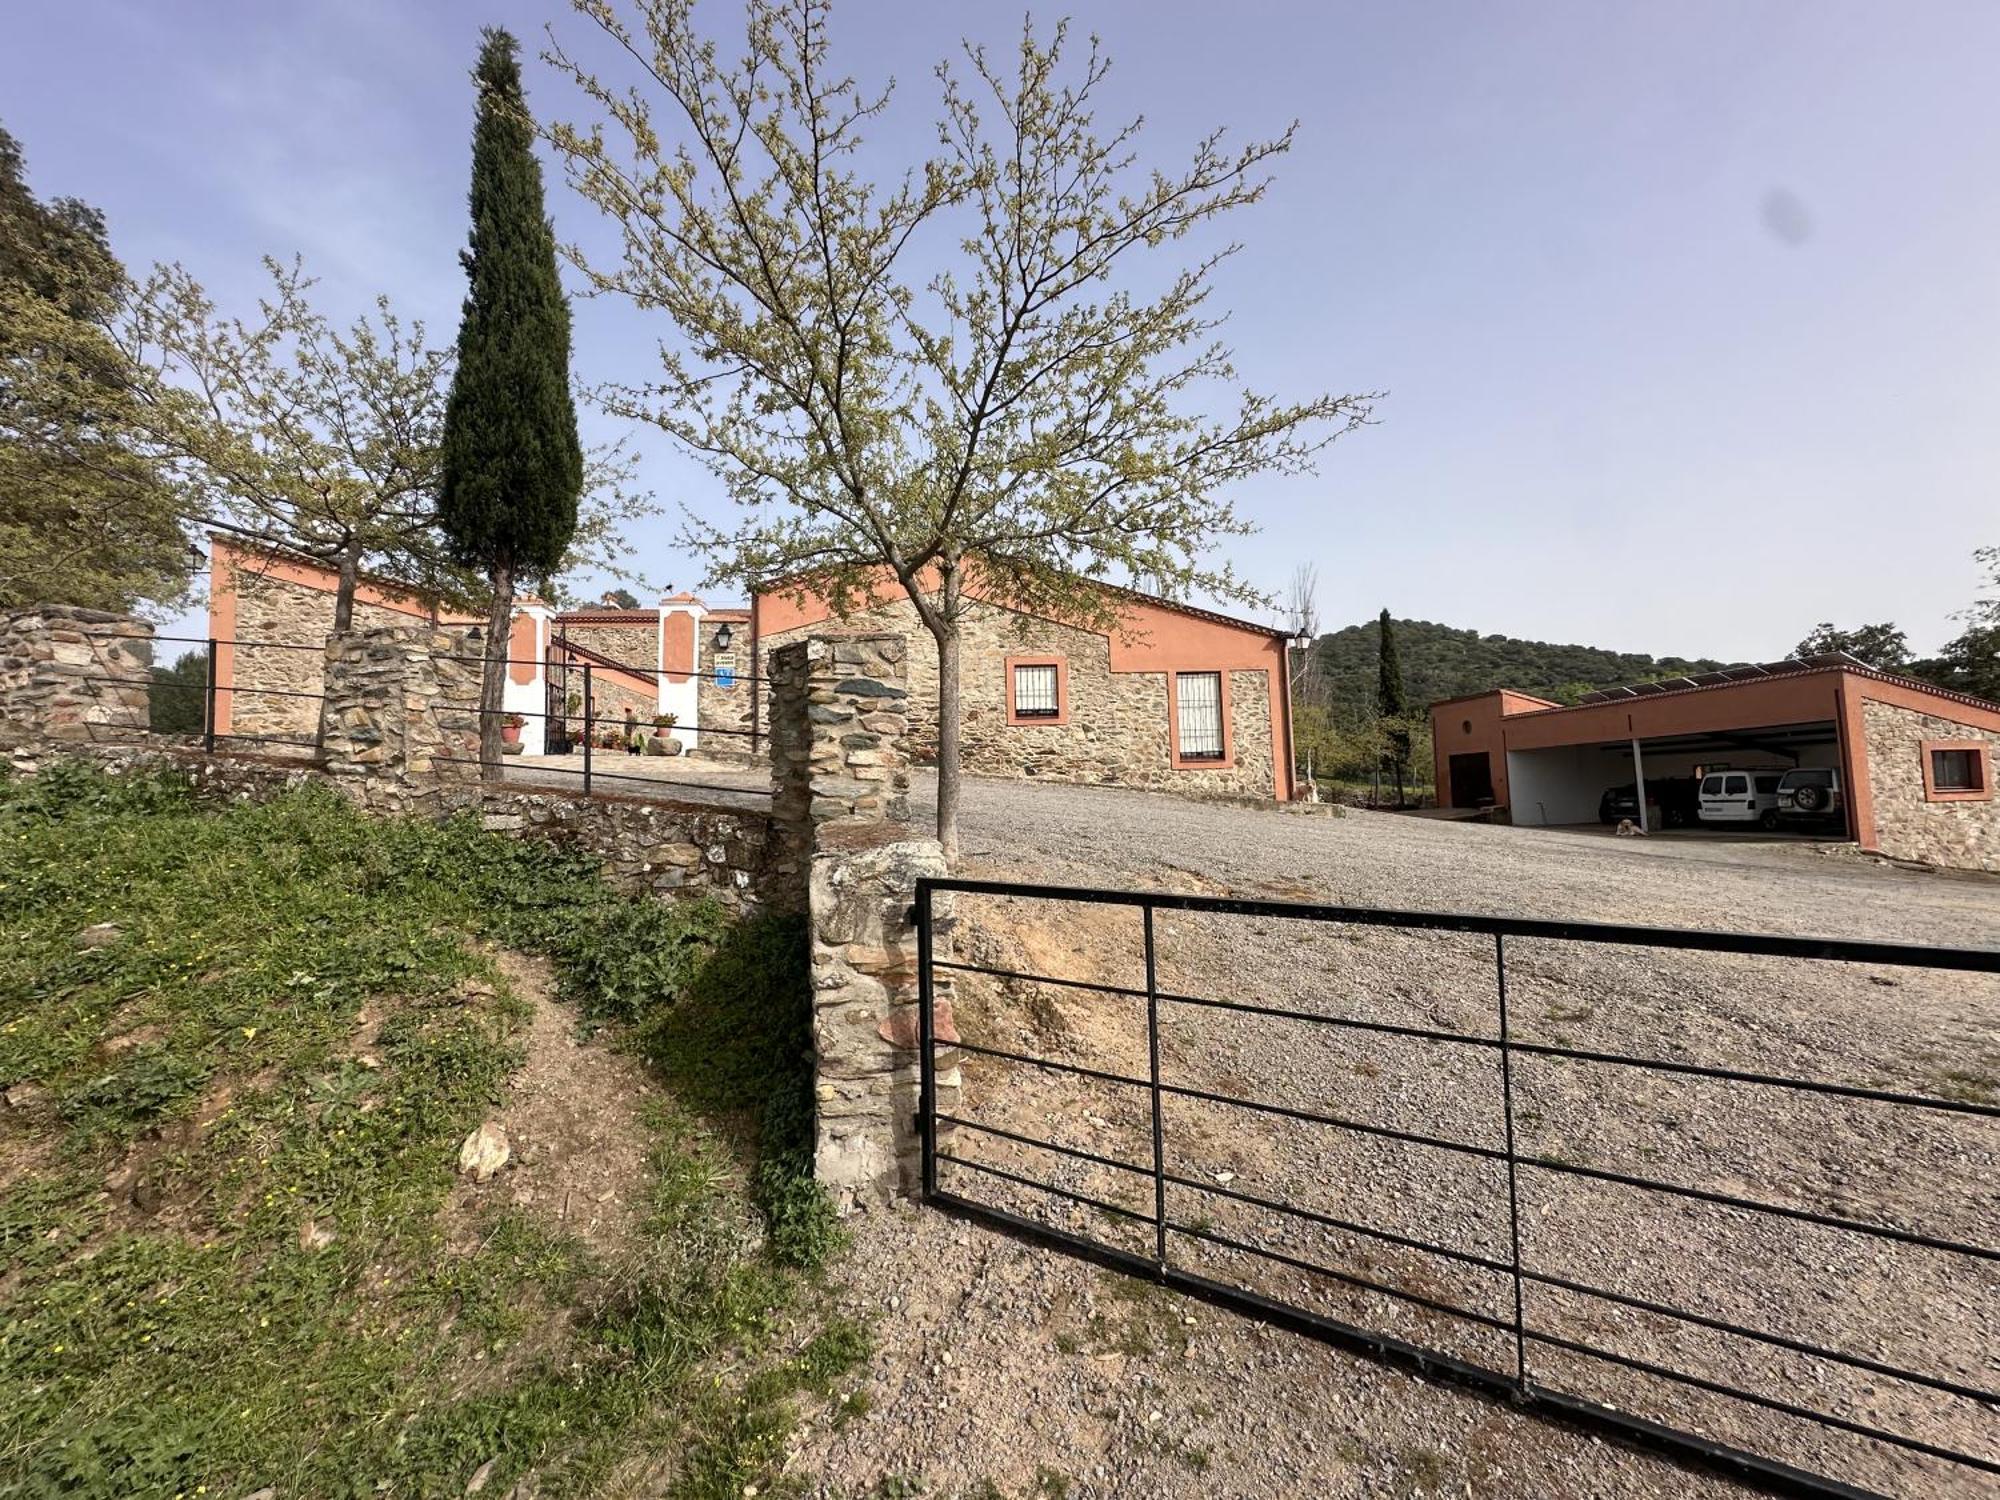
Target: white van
{"type": "Point", "coordinates": [1746, 796]}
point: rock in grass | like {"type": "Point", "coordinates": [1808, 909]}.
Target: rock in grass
{"type": "Point", "coordinates": [485, 1152]}
{"type": "Point", "coordinates": [27, 1097]}
{"type": "Point", "coordinates": [99, 935]}
{"type": "Point", "coordinates": [480, 1476]}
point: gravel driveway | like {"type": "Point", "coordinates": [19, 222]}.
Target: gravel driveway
{"type": "Point", "coordinates": [1034, 1373]}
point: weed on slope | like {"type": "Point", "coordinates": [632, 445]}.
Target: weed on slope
{"type": "Point", "coordinates": [239, 1052]}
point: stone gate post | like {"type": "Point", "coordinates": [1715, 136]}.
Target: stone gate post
{"type": "Point", "coordinates": [840, 776]}
{"type": "Point", "coordinates": [401, 700]}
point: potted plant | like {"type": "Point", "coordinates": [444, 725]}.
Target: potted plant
{"type": "Point", "coordinates": [662, 741]}
{"type": "Point", "coordinates": [510, 728]}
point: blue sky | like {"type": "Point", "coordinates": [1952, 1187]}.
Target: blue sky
{"type": "Point", "coordinates": [1688, 315]}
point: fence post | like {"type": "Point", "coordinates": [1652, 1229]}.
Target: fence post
{"type": "Point", "coordinates": [926, 1046]}
{"type": "Point", "coordinates": [208, 703]}
{"type": "Point", "coordinates": [589, 727]}
{"type": "Point", "coordinates": [1159, 1120]}
{"type": "Point", "coordinates": [1513, 1184]}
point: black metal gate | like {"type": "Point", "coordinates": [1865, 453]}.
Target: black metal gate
{"type": "Point", "coordinates": [1174, 1241]}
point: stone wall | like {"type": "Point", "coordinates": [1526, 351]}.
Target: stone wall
{"type": "Point", "coordinates": [280, 629]}
{"type": "Point", "coordinates": [54, 664]}
{"type": "Point", "coordinates": [727, 709]}
{"type": "Point", "coordinates": [866, 1031]}
{"type": "Point", "coordinates": [609, 698]}
{"type": "Point", "coordinates": [1959, 834]}
{"type": "Point", "coordinates": [839, 727]}
{"type": "Point", "coordinates": [630, 643]}
{"type": "Point", "coordinates": [1116, 730]}
{"type": "Point", "coordinates": [401, 700]}
{"type": "Point", "coordinates": [643, 844]}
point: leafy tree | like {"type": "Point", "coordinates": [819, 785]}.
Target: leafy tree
{"type": "Point", "coordinates": [296, 434]}
{"type": "Point", "coordinates": [1392, 704]}
{"type": "Point", "coordinates": [1883, 646]}
{"type": "Point", "coordinates": [1441, 662]}
{"type": "Point", "coordinates": [512, 466]}
{"type": "Point", "coordinates": [86, 517]}
{"type": "Point", "coordinates": [178, 697]}
{"type": "Point", "coordinates": [621, 599]}
{"type": "Point", "coordinates": [1970, 662]}
{"type": "Point", "coordinates": [1024, 422]}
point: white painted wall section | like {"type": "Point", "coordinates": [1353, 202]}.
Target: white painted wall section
{"type": "Point", "coordinates": [530, 699]}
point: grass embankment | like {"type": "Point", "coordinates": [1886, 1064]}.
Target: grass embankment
{"type": "Point", "coordinates": [226, 1165]}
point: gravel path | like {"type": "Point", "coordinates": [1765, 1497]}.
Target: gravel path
{"type": "Point", "coordinates": [1031, 1371]}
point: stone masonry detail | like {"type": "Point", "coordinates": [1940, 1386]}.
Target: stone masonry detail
{"type": "Point", "coordinates": [1959, 835]}
{"type": "Point", "coordinates": [1116, 732]}
{"type": "Point", "coordinates": [840, 781]}
{"type": "Point", "coordinates": [274, 618]}
{"type": "Point", "coordinates": [401, 700]}
{"type": "Point", "coordinates": [56, 669]}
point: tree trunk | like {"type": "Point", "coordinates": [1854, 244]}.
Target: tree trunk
{"type": "Point", "coordinates": [493, 681]}
{"type": "Point", "coordinates": [947, 741]}
{"type": "Point", "coordinates": [348, 571]}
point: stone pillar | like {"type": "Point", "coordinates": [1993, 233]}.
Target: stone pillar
{"type": "Point", "coordinates": [399, 701]}
{"type": "Point", "coordinates": [840, 779]}
{"type": "Point", "coordinates": [865, 1024]}
{"type": "Point", "coordinates": [839, 724]}
{"type": "Point", "coordinates": [77, 675]}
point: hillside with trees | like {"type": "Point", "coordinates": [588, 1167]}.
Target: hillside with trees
{"type": "Point", "coordinates": [1439, 661]}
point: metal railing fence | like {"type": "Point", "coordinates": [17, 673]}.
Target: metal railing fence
{"type": "Point", "coordinates": [1519, 1377]}
{"type": "Point", "coordinates": [582, 732]}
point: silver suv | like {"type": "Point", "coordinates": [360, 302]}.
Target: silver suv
{"type": "Point", "coordinates": [1810, 794]}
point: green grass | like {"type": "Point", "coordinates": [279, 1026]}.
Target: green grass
{"type": "Point", "coordinates": [190, 1107]}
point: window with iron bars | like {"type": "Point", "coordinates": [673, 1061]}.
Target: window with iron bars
{"type": "Point", "coordinates": [1198, 705]}
{"type": "Point", "coordinates": [1035, 693]}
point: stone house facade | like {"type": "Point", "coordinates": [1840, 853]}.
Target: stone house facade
{"type": "Point", "coordinates": [1932, 785]}
{"type": "Point", "coordinates": [1111, 706]}
{"type": "Point", "coordinates": [1164, 696]}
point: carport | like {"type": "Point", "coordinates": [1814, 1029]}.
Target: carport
{"type": "Point", "coordinates": [1915, 761]}
{"type": "Point", "coordinates": [1555, 785]}
{"type": "Point", "coordinates": [1549, 764]}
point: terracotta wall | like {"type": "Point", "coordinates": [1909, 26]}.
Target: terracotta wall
{"type": "Point", "coordinates": [1115, 728]}
{"type": "Point", "coordinates": [273, 616]}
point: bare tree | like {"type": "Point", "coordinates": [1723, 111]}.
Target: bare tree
{"type": "Point", "coordinates": [1302, 619]}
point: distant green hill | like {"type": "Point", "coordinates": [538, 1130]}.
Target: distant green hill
{"type": "Point", "coordinates": [1440, 662]}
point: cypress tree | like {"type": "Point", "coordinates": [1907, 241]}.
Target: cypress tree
{"type": "Point", "coordinates": [511, 463]}
{"type": "Point", "coordinates": [1392, 703]}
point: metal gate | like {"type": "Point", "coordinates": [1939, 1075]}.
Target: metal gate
{"type": "Point", "coordinates": [1532, 1355]}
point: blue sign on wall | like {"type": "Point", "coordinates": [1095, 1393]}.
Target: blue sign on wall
{"type": "Point", "coordinates": [725, 677]}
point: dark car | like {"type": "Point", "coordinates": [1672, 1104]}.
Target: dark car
{"type": "Point", "coordinates": [1677, 797]}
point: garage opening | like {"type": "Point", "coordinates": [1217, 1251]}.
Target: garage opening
{"type": "Point", "coordinates": [1723, 782]}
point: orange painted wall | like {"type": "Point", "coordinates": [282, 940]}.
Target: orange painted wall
{"type": "Point", "coordinates": [524, 649]}
{"type": "Point", "coordinates": [677, 646]}
{"type": "Point", "coordinates": [1149, 637]}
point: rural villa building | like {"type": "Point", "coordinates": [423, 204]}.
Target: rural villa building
{"type": "Point", "coordinates": [1916, 761]}
{"type": "Point", "coordinates": [1171, 698]}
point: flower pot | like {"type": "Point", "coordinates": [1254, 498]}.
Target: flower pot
{"type": "Point", "coordinates": [510, 734]}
